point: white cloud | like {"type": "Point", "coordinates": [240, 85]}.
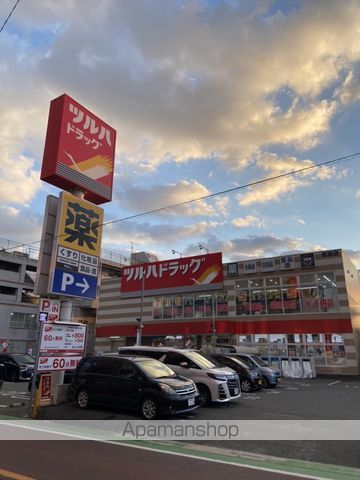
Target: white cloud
{"type": "Point", "coordinates": [357, 194]}
{"type": "Point", "coordinates": [141, 198]}
{"type": "Point", "coordinates": [349, 92]}
{"type": "Point", "coordinates": [195, 83]}
{"type": "Point", "coordinates": [249, 220]}
{"type": "Point", "coordinates": [301, 221]}
{"type": "Point", "coordinates": [20, 226]}
{"type": "Point", "coordinates": [275, 189]}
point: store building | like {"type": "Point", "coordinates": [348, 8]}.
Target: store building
{"type": "Point", "coordinates": [305, 305]}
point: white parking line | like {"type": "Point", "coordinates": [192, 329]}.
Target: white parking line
{"type": "Point", "coordinates": [333, 383]}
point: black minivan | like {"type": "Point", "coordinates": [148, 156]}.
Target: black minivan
{"type": "Point", "coordinates": [250, 377]}
{"type": "Point", "coordinates": [139, 383]}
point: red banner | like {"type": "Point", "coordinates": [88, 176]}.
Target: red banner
{"type": "Point", "coordinates": [203, 272]}
{"type": "Point", "coordinates": [79, 150]}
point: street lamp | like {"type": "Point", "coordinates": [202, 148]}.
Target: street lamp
{"type": "Point", "coordinates": [203, 248]}
{"type": "Point", "coordinates": [175, 251]}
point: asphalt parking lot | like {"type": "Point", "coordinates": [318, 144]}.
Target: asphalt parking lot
{"type": "Point", "coordinates": [311, 399]}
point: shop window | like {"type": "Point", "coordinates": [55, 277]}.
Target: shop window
{"type": "Point", "coordinates": [242, 284]}
{"type": "Point", "coordinates": [309, 299]}
{"type": "Point", "coordinates": [258, 302]}
{"type": "Point", "coordinates": [290, 293]}
{"type": "Point", "coordinates": [327, 292]}
{"type": "Point", "coordinates": [209, 305]}
{"type": "Point", "coordinates": [256, 283]}
{"type": "Point", "coordinates": [222, 308]}
{"type": "Point", "coordinates": [199, 305]}
{"type": "Point", "coordinates": [243, 303]}
{"type": "Point", "coordinates": [278, 345]}
{"type": "Point", "coordinates": [247, 339]}
{"type": "Point", "coordinates": [307, 278]}
{"type": "Point", "coordinates": [273, 282]}
{"type": "Point", "coordinates": [167, 307]}
{"type": "Point", "coordinates": [177, 307]}
{"type": "Point", "coordinates": [274, 301]}
{"type": "Point", "coordinates": [188, 306]}
{"type": "Point", "coordinates": [157, 310]}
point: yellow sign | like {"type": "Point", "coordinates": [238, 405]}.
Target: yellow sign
{"type": "Point", "coordinates": [80, 225]}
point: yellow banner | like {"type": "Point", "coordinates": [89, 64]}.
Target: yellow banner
{"type": "Point", "coordinates": [80, 225]}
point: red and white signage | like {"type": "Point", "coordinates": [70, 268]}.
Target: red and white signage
{"type": "Point", "coordinates": [203, 272]}
{"type": "Point", "coordinates": [62, 338]}
{"type": "Point", "coordinates": [79, 150]}
{"type": "Point", "coordinates": [47, 364]}
{"type": "Point", "coordinates": [49, 310]}
{"type": "Point", "coordinates": [45, 388]}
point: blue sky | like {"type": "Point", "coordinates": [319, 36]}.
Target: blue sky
{"type": "Point", "coordinates": [205, 96]}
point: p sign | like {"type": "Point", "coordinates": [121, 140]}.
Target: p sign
{"type": "Point", "coordinates": [74, 284]}
{"type": "Point", "coordinates": [49, 310]}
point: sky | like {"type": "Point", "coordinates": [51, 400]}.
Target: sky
{"type": "Point", "coordinates": [205, 96]}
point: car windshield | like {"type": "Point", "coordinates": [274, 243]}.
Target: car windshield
{"type": "Point", "coordinates": [259, 361]}
{"type": "Point", "coordinates": [240, 362]}
{"type": "Point", "coordinates": [247, 361]}
{"type": "Point", "coordinates": [155, 369]}
{"type": "Point", "coordinates": [202, 360]}
{"type": "Point", "coordinates": [23, 358]}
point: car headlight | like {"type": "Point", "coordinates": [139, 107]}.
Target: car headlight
{"type": "Point", "coordinates": [217, 376]}
{"type": "Point", "coordinates": [167, 389]}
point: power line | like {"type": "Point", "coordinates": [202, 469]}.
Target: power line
{"type": "Point", "coordinates": [8, 17]}
{"type": "Point", "coordinates": [222, 192]}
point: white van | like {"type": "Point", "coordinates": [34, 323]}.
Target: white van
{"type": "Point", "coordinates": [215, 383]}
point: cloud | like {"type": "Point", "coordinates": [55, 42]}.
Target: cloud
{"type": "Point", "coordinates": [349, 92]}
{"type": "Point", "coordinates": [158, 196]}
{"type": "Point", "coordinates": [249, 220]}
{"type": "Point", "coordinates": [357, 194]}
{"type": "Point", "coordinates": [196, 83]}
{"type": "Point", "coordinates": [20, 226]}
{"type": "Point", "coordinates": [301, 221]}
{"type": "Point", "coordinates": [277, 166]}
{"type": "Point", "coordinates": [354, 257]}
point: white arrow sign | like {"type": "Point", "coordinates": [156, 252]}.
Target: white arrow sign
{"type": "Point", "coordinates": [85, 285]}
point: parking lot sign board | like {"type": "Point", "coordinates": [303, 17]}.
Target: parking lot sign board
{"type": "Point", "coordinates": [77, 247]}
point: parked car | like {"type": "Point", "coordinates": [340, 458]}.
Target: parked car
{"type": "Point", "coordinates": [270, 376]}
{"type": "Point", "coordinates": [250, 377]}
{"type": "Point", "coordinates": [215, 383]}
{"type": "Point", "coordinates": [19, 366]}
{"type": "Point", "coordinates": [2, 374]}
{"type": "Point", "coordinates": [138, 383]}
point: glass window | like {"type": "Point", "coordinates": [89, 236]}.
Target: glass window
{"type": "Point", "coordinates": [167, 307]}
{"type": "Point", "coordinates": [307, 278]}
{"type": "Point", "coordinates": [291, 295]}
{"type": "Point", "coordinates": [155, 369]}
{"type": "Point", "coordinates": [199, 305]}
{"type": "Point", "coordinates": [309, 299]}
{"type": "Point", "coordinates": [256, 283]}
{"type": "Point", "coordinates": [327, 292]}
{"type": "Point", "coordinates": [209, 305]}
{"type": "Point", "coordinates": [272, 281]}
{"type": "Point", "coordinates": [258, 302]}
{"type": "Point", "coordinates": [157, 310]}
{"type": "Point", "coordinates": [177, 307]}
{"type": "Point", "coordinates": [188, 306]}
{"type": "Point", "coordinates": [222, 307]}
{"type": "Point", "coordinates": [274, 300]}
{"type": "Point", "coordinates": [245, 339]}
{"type": "Point", "coordinates": [242, 284]}
{"type": "Point", "coordinates": [243, 303]}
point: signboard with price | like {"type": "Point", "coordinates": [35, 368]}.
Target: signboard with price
{"type": "Point", "coordinates": [47, 364]}
{"type": "Point", "coordinates": [62, 346]}
{"type": "Point", "coordinates": [62, 338]}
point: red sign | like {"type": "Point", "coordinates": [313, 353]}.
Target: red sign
{"type": "Point", "coordinates": [45, 387]}
{"type": "Point", "coordinates": [79, 150]}
{"type": "Point", "coordinates": [203, 272]}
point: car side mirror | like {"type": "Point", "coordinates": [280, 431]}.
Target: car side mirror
{"type": "Point", "coordinates": [184, 364]}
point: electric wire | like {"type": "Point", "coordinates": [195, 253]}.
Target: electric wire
{"type": "Point", "coordinates": [211, 195]}
{"type": "Point", "coordinates": [8, 17]}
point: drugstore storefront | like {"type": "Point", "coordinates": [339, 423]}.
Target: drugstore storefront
{"type": "Point", "coordinates": [304, 305]}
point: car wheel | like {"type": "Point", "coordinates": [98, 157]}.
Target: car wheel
{"type": "Point", "coordinates": [245, 386]}
{"type": "Point", "coordinates": [148, 408]}
{"type": "Point", "coordinates": [205, 395]}
{"type": "Point", "coordinates": [14, 376]}
{"type": "Point", "coordinates": [265, 382]}
{"type": "Point", "coordinates": [83, 399]}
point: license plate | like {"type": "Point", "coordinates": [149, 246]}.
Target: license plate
{"type": "Point", "coordinates": [279, 379]}
{"type": "Point", "coordinates": [191, 401]}
{"type": "Point", "coordinates": [260, 382]}
{"type": "Point", "coordinates": [236, 391]}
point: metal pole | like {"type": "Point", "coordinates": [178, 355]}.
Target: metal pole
{"type": "Point", "coordinates": [213, 322]}
{"type": "Point", "coordinates": [140, 319]}
{"type": "Point", "coordinates": [33, 378]}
